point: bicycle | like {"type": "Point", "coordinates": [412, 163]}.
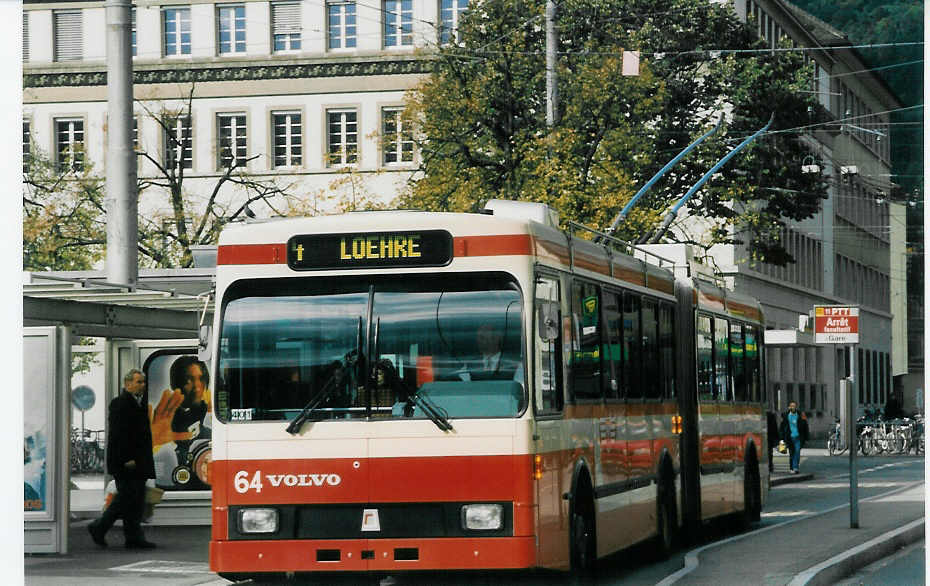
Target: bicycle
{"type": "Point", "coordinates": [87, 453]}
{"type": "Point", "coordinates": [867, 444]}
{"type": "Point", "coordinates": [835, 445]}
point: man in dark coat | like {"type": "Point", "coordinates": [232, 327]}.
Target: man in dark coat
{"type": "Point", "coordinates": [129, 461]}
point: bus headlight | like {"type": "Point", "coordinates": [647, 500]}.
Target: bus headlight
{"type": "Point", "coordinates": [482, 517]}
{"type": "Point", "coordinates": [258, 520]}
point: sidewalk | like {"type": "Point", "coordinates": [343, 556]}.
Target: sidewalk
{"type": "Point", "coordinates": [180, 558]}
{"type": "Point", "coordinates": [812, 550]}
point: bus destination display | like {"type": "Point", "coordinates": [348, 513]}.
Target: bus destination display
{"type": "Point", "coordinates": [425, 248]}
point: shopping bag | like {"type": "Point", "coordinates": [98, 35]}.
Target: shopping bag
{"type": "Point", "coordinates": [108, 494]}
{"type": "Point", "coordinates": [153, 496]}
{"type": "Point", "coordinates": [782, 448]}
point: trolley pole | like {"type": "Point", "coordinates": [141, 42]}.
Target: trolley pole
{"type": "Point", "coordinates": [853, 441]}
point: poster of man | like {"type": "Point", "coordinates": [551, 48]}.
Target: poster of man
{"type": "Point", "coordinates": [181, 415]}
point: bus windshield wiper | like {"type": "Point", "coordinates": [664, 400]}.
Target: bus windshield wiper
{"type": "Point", "coordinates": [334, 381]}
{"type": "Point", "coordinates": [437, 414]}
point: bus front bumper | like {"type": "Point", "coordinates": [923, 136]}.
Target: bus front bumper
{"type": "Point", "coordinates": [366, 555]}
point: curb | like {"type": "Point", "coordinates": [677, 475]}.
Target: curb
{"type": "Point", "coordinates": [789, 479]}
{"type": "Point", "coordinates": [838, 567]}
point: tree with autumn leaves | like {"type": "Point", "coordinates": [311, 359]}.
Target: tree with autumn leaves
{"type": "Point", "coordinates": [483, 135]}
{"type": "Point", "coordinates": [64, 215]}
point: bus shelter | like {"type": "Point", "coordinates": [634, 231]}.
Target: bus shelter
{"type": "Point", "coordinates": [135, 322]}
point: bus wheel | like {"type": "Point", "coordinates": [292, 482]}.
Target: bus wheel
{"type": "Point", "coordinates": [752, 499]}
{"type": "Point", "coordinates": [583, 545]}
{"type": "Point", "coordinates": [666, 522]}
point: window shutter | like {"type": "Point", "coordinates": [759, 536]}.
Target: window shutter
{"type": "Point", "coordinates": [68, 35]}
{"type": "Point", "coordinates": [25, 37]}
{"type": "Point", "coordinates": [285, 18]}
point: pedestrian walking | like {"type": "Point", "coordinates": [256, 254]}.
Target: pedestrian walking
{"type": "Point", "coordinates": [794, 432]}
{"type": "Point", "coordinates": [773, 436]}
{"type": "Point", "coordinates": [129, 461]}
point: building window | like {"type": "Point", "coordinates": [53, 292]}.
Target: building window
{"type": "Point", "coordinates": [177, 31]}
{"type": "Point", "coordinates": [178, 145]}
{"type": "Point", "coordinates": [450, 14]}
{"type": "Point", "coordinates": [27, 139]}
{"type": "Point", "coordinates": [231, 29]}
{"type": "Point", "coordinates": [232, 147]}
{"type": "Point", "coordinates": [288, 146]}
{"type": "Point", "coordinates": [398, 23]}
{"type": "Point", "coordinates": [69, 143]}
{"type": "Point", "coordinates": [397, 139]}
{"type": "Point", "coordinates": [342, 137]}
{"type": "Point", "coordinates": [285, 26]}
{"type": "Point", "coordinates": [340, 18]}
{"type": "Point", "coordinates": [25, 37]}
{"type": "Point", "coordinates": [69, 36]}
{"type": "Point", "coordinates": [133, 27]}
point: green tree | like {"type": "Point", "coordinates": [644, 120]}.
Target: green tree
{"type": "Point", "coordinates": [482, 118]}
{"type": "Point", "coordinates": [63, 216]}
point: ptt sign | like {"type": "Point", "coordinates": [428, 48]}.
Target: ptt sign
{"type": "Point", "coordinates": [836, 324]}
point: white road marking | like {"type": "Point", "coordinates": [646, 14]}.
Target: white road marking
{"type": "Point", "coordinates": [806, 485]}
{"type": "Point", "coordinates": [165, 567]}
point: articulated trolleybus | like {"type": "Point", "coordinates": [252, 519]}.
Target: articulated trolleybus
{"type": "Point", "coordinates": [402, 391]}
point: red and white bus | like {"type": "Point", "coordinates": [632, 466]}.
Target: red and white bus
{"type": "Point", "coordinates": [400, 391]}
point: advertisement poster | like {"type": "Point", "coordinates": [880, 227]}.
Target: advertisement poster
{"type": "Point", "coordinates": [35, 428]}
{"type": "Point", "coordinates": [179, 398]}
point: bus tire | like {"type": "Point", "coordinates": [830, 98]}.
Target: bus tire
{"type": "Point", "coordinates": [582, 536]}
{"type": "Point", "coordinates": [752, 490]}
{"type": "Point", "coordinates": [666, 518]}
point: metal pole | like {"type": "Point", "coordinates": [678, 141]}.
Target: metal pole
{"type": "Point", "coordinates": [845, 438]}
{"type": "Point", "coordinates": [121, 198]}
{"type": "Point", "coordinates": [552, 80]}
{"type": "Point", "coordinates": [62, 406]}
{"type": "Point", "coordinates": [853, 443]}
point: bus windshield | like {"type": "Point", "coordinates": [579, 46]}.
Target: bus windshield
{"type": "Point", "coordinates": [371, 348]}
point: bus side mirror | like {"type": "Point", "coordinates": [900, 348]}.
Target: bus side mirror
{"type": "Point", "coordinates": [547, 314]}
{"type": "Point", "coordinates": [203, 342]}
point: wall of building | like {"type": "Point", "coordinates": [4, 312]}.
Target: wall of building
{"type": "Point", "coordinates": [257, 83]}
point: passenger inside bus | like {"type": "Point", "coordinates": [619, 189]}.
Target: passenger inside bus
{"type": "Point", "coordinates": [385, 390]}
{"type": "Point", "coordinates": [490, 362]}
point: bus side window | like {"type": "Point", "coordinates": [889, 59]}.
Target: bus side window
{"type": "Point", "coordinates": [650, 377]}
{"type": "Point", "coordinates": [586, 347]}
{"type": "Point", "coordinates": [632, 347]}
{"type": "Point", "coordinates": [613, 329]}
{"type": "Point", "coordinates": [723, 384]}
{"type": "Point", "coordinates": [738, 362]}
{"type": "Point", "coordinates": [753, 371]}
{"type": "Point", "coordinates": [667, 350]}
{"type": "Point", "coordinates": [705, 358]}
{"type": "Point", "coordinates": [548, 345]}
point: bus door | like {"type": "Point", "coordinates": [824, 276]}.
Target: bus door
{"type": "Point", "coordinates": [614, 469]}
{"type": "Point", "coordinates": [710, 452]}
{"type": "Point", "coordinates": [551, 453]}
{"type": "Point", "coordinates": [718, 449]}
